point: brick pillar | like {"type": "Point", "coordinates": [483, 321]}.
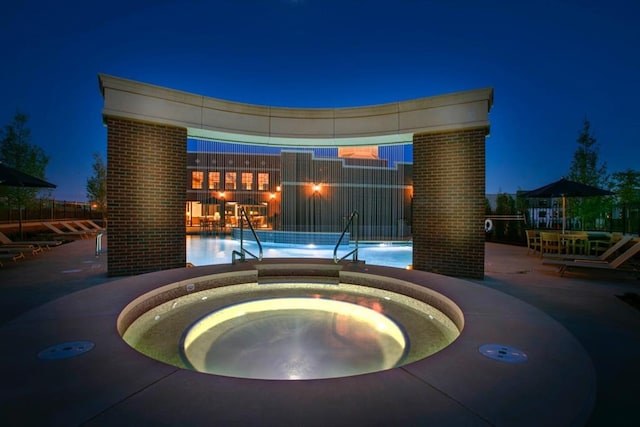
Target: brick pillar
{"type": "Point", "coordinates": [449, 202]}
{"type": "Point", "coordinates": [145, 196]}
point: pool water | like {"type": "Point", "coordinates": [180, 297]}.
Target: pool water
{"type": "Point", "coordinates": [206, 250]}
{"type": "Point", "coordinates": [293, 338]}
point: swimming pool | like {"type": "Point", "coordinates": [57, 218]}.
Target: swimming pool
{"type": "Point", "coordinates": [207, 250]}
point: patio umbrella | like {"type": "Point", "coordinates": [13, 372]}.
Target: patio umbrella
{"type": "Point", "coordinates": [565, 188]}
{"type": "Point", "coordinates": [14, 178]}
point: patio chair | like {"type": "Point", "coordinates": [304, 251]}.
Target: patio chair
{"type": "Point", "coordinates": [623, 259]}
{"type": "Point", "coordinates": [533, 241]}
{"type": "Point", "coordinates": [6, 242]}
{"type": "Point", "coordinates": [550, 243]}
{"type": "Point", "coordinates": [602, 257]}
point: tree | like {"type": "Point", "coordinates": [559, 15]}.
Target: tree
{"type": "Point", "coordinates": [626, 185]}
{"type": "Point", "coordinates": [487, 207]}
{"type": "Point", "coordinates": [97, 185]}
{"type": "Point", "coordinates": [17, 151]}
{"type": "Point", "coordinates": [587, 169]}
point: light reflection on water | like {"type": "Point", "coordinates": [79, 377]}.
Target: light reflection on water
{"type": "Point", "coordinates": [206, 250]}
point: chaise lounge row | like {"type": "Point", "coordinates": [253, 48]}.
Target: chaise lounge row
{"type": "Point", "coordinates": [74, 229]}
{"type": "Point", "coordinates": [11, 250]}
{"type": "Point", "coordinates": [620, 256]}
{"type": "Point", "coordinates": [15, 250]}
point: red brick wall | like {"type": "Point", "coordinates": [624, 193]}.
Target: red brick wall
{"type": "Point", "coordinates": [145, 196]}
{"type": "Point", "coordinates": [449, 202]}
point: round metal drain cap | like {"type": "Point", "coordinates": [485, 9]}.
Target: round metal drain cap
{"type": "Point", "coordinates": [66, 350]}
{"type": "Point", "coordinates": [503, 353]}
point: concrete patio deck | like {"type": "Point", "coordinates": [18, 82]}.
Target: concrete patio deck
{"type": "Point", "coordinates": [33, 316]}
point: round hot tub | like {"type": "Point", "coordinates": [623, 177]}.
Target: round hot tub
{"type": "Point", "coordinates": [290, 329]}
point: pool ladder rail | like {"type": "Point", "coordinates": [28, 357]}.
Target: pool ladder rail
{"type": "Point", "coordinates": [242, 253]}
{"type": "Point", "coordinates": [354, 234]}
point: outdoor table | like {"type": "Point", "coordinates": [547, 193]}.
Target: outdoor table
{"type": "Point", "coordinates": [575, 243]}
{"type": "Point", "coordinates": [571, 243]}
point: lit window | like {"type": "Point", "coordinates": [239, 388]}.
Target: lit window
{"type": "Point", "coordinates": [230, 181]}
{"type": "Point", "coordinates": [263, 181]}
{"type": "Point", "coordinates": [247, 180]}
{"type": "Point", "coordinates": [214, 180]}
{"type": "Point", "coordinates": [196, 180]}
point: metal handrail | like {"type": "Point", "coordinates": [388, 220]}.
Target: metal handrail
{"type": "Point", "coordinates": [353, 215]}
{"type": "Point", "coordinates": [242, 253]}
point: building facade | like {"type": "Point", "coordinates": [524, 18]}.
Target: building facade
{"type": "Point", "coordinates": [302, 191]}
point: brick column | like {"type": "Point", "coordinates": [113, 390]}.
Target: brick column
{"type": "Point", "coordinates": [449, 202]}
{"type": "Point", "coordinates": [145, 196]}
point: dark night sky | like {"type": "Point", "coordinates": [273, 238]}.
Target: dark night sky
{"type": "Point", "coordinates": [551, 63]}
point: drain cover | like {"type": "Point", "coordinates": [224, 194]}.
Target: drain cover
{"type": "Point", "coordinates": [66, 350]}
{"type": "Point", "coordinates": [503, 353]}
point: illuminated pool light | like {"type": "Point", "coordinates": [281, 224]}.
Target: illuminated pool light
{"type": "Point", "coordinates": [293, 338]}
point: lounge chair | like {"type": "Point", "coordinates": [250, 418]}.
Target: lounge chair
{"type": "Point", "coordinates": [93, 225]}
{"type": "Point", "coordinates": [65, 234]}
{"type": "Point", "coordinates": [615, 264]}
{"type": "Point", "coordinates": [14, 253]}
{"type": "Point", "coordinates": [83, 227]}
{"type": "Point", "coordinates": [13, 257]}
{"type": "Point", "coordinates": [602, 257]}
{"type": "Point", "coordinates": [68, 226]}
{"type": "Point", "coordinates": [34, 249]}
{"type": "Point", "coordinates": [88, 227]}
{"type": "Point", "coordinates": [601, 244]}
{"type": "Point", "coordinates": [6, 242]}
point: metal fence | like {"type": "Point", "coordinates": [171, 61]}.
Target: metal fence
{"type": "Point", "coordinates": [622, 219]}
{"type": "Point", "coordinates": [48, 210]}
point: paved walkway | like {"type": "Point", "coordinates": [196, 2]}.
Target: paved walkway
{"type": "Point", "coordinates": [51, 274]}
{"type": "Point", "coordinates": [589, 307]}
{"type": "Point", "coordinates": [586, 305]}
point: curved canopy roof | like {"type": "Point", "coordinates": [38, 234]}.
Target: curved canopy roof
{"type": "Point", "coordinates": [220, 120]}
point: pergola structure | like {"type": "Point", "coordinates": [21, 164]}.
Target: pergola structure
{"type": "Point", "coordinates": [147, 131]}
